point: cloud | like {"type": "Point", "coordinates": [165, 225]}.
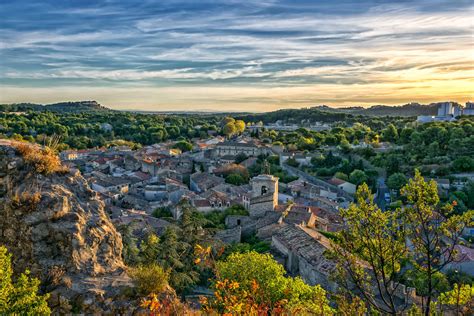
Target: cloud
{"type": "Point", "coordinates": [261, 45]}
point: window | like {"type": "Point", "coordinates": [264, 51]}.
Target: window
{"type": "Point", "coordinates": [238, 222]}
{"type": "Point", "coordinates": [264, 190]}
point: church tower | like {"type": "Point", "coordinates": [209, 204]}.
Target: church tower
{"type": "Point", "coordinates": [264, 193]}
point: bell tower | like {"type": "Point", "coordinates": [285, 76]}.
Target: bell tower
{"type": "Point", "coordinates": [264, 194]}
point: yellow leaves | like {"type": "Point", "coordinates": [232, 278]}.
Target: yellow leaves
{"type": "Point", "coordinates": [203, 255]}
{"type": "Point", "coordinates": [460, 295]}
{"type": "Point", "coordinates": [151, 303]}
{"type": "Point", "coordinates": [254, 286]}
{"type": "Point", "coordinates": [201, 251]}
{"type": "Point", "coordinates": [233, 285]}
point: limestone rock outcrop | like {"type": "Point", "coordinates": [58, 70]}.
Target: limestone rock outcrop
{"type": "Point", "coordinates": [55, 226]}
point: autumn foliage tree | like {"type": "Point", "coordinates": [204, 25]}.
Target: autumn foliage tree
{"type": "Point", "coordinates": [254, 284]}
{"type": "Point", "coordinates": [230, 126]}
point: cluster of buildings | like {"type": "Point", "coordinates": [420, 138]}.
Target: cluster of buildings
{"type": "Point", "coordinates": [448, 111]}
{"type": "Point", "coordinates": [134, 183]}
{"type": "Point", "coordinates": [293, 217]}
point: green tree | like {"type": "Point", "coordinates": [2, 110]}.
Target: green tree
{"type": "Point", "coordinates": [228, 120]}
{"type": "Point", "coordinates": [358, 177]}
{"type": "Point", "coordinates": [396, 181]}
{"type": "Point", "coordinates": [240, 157]}
{"type": "Point", "coordinates": [252, 271]}
{"type": "Point", "coordinates": [183, 146]}
{"type": "Point", "coordinates": [20, 297]}
{"type": "Point", "coordinates": [459, 300]}
{"type": "Point", "coordinates": [345, 146]}
{"type": "Point", "coordinates": [149, 249]}
{"type": "Point", "coordinates": [149, 279]}
{"type": "Point", "coordinates": [235, 179]}
{"type": "Point", "coordinates": [292, 162]}
{"type": "Point", "coordinates": [469, 191]}
{"type": "Point", "coordinates": [433, 231]}
{"type": "Point", "coordinates": [370, 250]}
{"type": "Point", "coordinates": [390, 133]}
{"type": "Point", "coordinates": [463, 164]}
{"type": "Point", "coordinates": [130, 250]}
{"type": "Point", "coordinates": [341, 175]}
{"type": "Point", "coordinates": [172, 256]}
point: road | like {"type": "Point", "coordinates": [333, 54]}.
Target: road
{"type": "Point", "coordinates": [381, 190]}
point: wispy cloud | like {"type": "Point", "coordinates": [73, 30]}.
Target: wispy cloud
{"type": "Point", "coordinates": [314, 51]}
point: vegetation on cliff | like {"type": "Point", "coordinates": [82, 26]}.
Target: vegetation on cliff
{"type": "Point", "coordinates": [20, 297]}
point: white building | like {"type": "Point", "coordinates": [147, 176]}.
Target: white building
{"type": "Point", "coordinates": [469, 109]}
{"type": "Point", "coordinates": [343, 185]}
{"type": "Point", "coordinates": [447, 111]}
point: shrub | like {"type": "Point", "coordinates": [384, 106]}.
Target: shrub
{"type": "Point", "coordinates": [149, 279]}
{"type": "Point", "coordinates": [43, 160]}
{"type": "Point", "coordinates": [20, 297]}
{"type": "Point", "coordinates": [162, 212]}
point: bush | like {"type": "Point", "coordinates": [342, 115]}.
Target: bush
{"type": "Point", "coordinates": [21, 297]}
{"type": "Point", "coordinates": [235, 179]}
{"type": "Point", "coordinates": [183, 146]}
{"type": "Point", "coordinates": [341, 175]}
{"type": "Point", "coordinates": [162, 212]}
{"type": "Point", "coordinates": [292, 162]}
{"type": "Point", "coordinates": [149, 279]}
{"type": "Point", "coordinates": [43, 160]}
{"type": "Point", "coordinates": [217, 218]}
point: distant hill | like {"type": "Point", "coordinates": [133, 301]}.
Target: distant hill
{"type": "Point", "coordinates": [324, 113]}
{"type": "Point", "coordinates": [410, 109]}
{"type": "Point", "coordinates": [77, 106]}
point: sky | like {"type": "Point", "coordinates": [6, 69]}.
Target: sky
{"type": "Point", "coordinates": [236, 55]}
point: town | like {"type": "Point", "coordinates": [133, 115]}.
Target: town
{"type": "Point", "coordinates": [144, 190]}
{"type": "Point", "coordinates": [281, 185]}
{"type": "Point", "coordinates": [221, 157]}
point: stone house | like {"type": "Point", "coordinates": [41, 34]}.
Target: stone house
{"type": "Point", "coordinates": [301, 159]}
{"type": "Point", "coordinates": [299, 215]}
{"type": "Point", "coordinates": [200, 181]}
{"type": "Point", "coordinates": [111, 184]}
{"type": "Point", "coordinates": [343, 185]}
{"type": "Point", "coordinates": [235, 148]}
{"type": "Point", "coordinates": [237, 194]}
{"type": "Point", "coordinates": [303, 251]}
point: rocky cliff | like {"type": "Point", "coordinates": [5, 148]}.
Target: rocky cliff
{"type": "Point", "coordinates": [55, 226]}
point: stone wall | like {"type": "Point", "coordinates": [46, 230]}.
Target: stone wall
{"type": "Point", "coordinates": [229, 236]}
